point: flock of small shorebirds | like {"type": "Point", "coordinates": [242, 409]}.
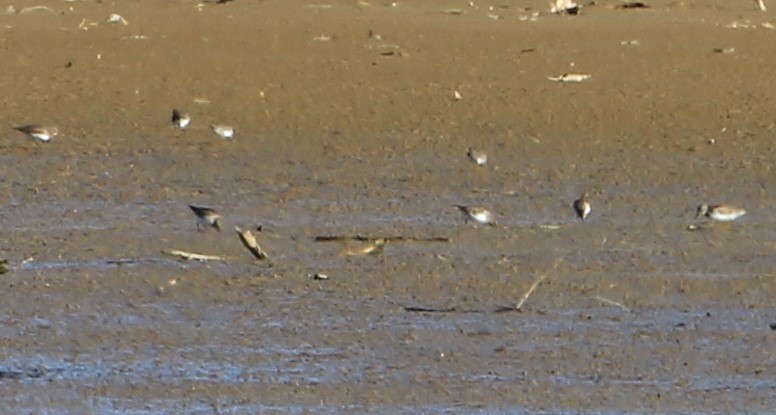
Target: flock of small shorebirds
{"type": "Point", "coordinates": [209, 217]}
{"type": "Point", "coordinates": [582, 207]}
{"type": "Point", "coordinates": [180, 119]}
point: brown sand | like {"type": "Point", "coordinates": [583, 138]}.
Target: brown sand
{"type": "Point", "coordinates": [342, 133]}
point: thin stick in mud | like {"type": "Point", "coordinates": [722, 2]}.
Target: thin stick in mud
{"type": "Point", "coordinates": [536, 283]}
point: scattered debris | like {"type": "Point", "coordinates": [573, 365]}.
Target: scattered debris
{"type": "Point", "coordinates": [634, 5]}
{"type": "Point", "coordinates": [318, 276]}
{"type": "Point", "coordinates": [422, 309]}
{"type": "Point", "coordinates": [323, 38]}
{"type": "Point", "coordinates": [570, 77]}
{"type": "Point", "coordinates": [724, 50]}
{"type": "Point", "coordinates": [247, 239]}
{"type": "Point", "coordinates": [530, 291]}
{"type": "Point", "coordinates": [190, 256]}
{"type": "Point", "coordinates": [116, 18]}
{"type": "Point", "coordinates": [135, 37]}
{"type": "Point", "coordinates": [456, 12]}
{"type": "Point", "coordinates": [549, 227]}
{"type": "Point", "coordinates": [374, 247]}
{"type": "Point", "coordinates": [611, 302]}
{"type": "Point", "coordinates": [35, 9]}
{"type": "Point", "coordinates": [529, 18]}
{"type": "Point", "coordinates": [630, 42]}
{"type": "Point", "coordinates": [338, 238]}
{"type": "Point", "coordinates": [536, 283]}
{"type": "Point", "coordinates": [564, 6]}
{"type": "Point", "coordinates": [747, 24]}
{"type": "Point", "coordinates": [393, 53]}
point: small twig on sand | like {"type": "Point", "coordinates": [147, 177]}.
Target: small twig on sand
{"type": "Point", "coordinates": [423, 309]}
{"type": "Point", "coordinates": [332, 238]}
{"type": "Point", "coordinates": [530, 291]}
{"type": "Point", "coordinates": [192, 256]}
{"type": "Point", "coordinates": [536, 283]}
{"type": "Point", "coordinates": [611, 302]}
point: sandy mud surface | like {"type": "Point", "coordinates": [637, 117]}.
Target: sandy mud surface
{"type": "Point", "coordinates": [347, 123]}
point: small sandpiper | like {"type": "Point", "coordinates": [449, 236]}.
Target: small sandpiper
{"type": "Point", "coordinates": [44, 134]}
{"type": "Point", "coordinates": [180, 119]}
{"type": "Point", "coordinates": [582, 207]}
{"type": "Point", "coordinates": [224, 131]}
{"type": "Point", "coordinates": [206, 216]}
{"type": "Point", "coordinates": [722, 213]}
{"type": "Point", "coordinates": [478, 214]}
{"type": "Point", "coordinates": [479, 157]}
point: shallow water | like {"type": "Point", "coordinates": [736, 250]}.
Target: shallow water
{"type": "Point", "coordinates": [634, 305]}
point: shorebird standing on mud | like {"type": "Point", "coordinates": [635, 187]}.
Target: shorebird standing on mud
{"type": "Point", "coordinates": [722, 213]}
{"type": "Point", "coordinates": [582, 207]}
{"type": "Point", "coordinates": [44, 134]}
{"type": "Point", "coordinates": [479, 157]}
{"type": "Point", "coordinates": [180, 119]}
{"type": "Point", "coordinates": [224, 131]}
{"type": "Point", "coordinates": [206, 216]}
{"type": "Point", "coordinates": [478, 214]}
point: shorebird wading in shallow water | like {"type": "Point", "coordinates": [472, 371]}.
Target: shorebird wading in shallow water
{"type": "Point", "coordinates": [722, 213]}
{"type": "Point", "coordinates": [41, 133]}
{"type": "Point", "coordinates": [477, 156]}
{"type": "Point", "coordinates": [180, 119]}
{"type": "Point", "coordinates": [206, 216]}
{"type": "Point", "coordinates": [478, 214]}
{"type": "Point", "coordinates": [582, 207]}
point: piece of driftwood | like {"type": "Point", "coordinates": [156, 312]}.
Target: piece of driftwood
{"type": "Point", "coordinates": [374, 247]}
{"type": "Point", "coordinates": [247, 239]}
{"type": "Point", "coordinates": [431, 309]}
{"type": "Point", "coordinates": [422, 309]}
{"type": "Point", "coordinates": [193, 256]}
{"type": "Point", "coordinates": [362, 238]}
{"type": "Point", "coordinates": [611, 302]}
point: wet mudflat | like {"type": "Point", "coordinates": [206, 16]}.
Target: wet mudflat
{"type": "Point", "coordinates": [637, 312]}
